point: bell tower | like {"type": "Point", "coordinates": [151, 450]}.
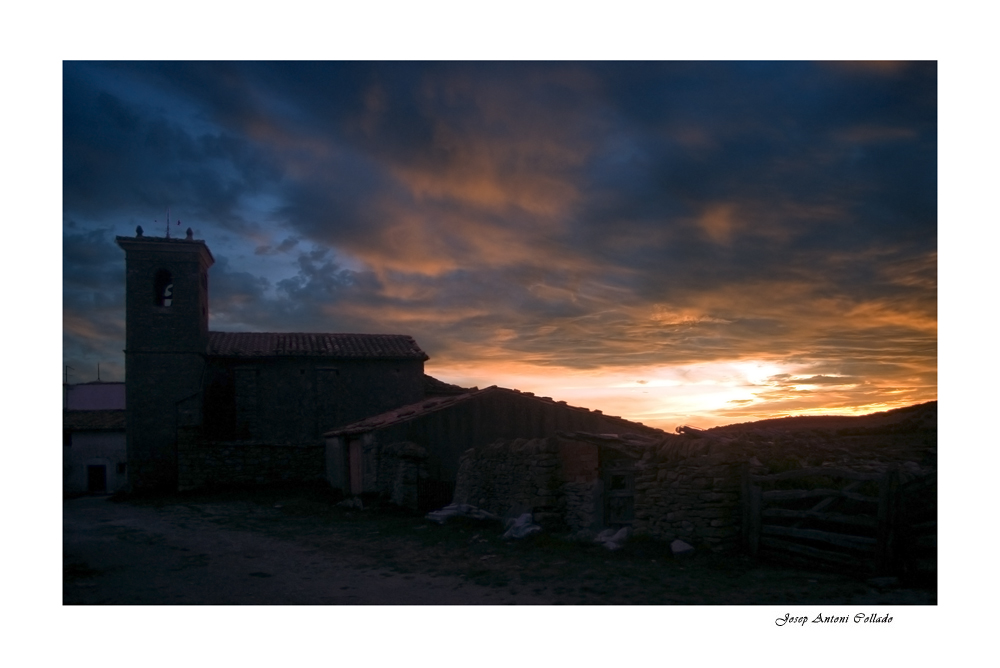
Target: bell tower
{"type": "Point", "coordinates": [166, 340]}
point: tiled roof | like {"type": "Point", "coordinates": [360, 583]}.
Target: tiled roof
{"type": "Point", "coordinates": [407, 412]}
{"type": "Point", "coordinates": [93, 420]}
{"type": "Point", "coordinates": [436, 388]}
{"type": "Point", "coordinates": [432, 404]}
{"type": "Point", "coordinates": [268, 344]}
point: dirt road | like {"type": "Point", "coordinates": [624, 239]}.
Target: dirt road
{"type": "Point", "coordinates": [125, 554]}
{"type": "Point", "coordinates": [286, 548]}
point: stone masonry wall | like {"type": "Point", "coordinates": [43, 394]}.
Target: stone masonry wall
{"type": "Point", "coordinates": [206, 464]}
{"type": "Point", "coordinates": [684, 488]}
{"type": "Point", "coordinates": [555, 479]}
{"type": "Point", "coordinates": [689, 489]}
{"type": "Point", "coordinates": [509, 478]}
{"type": "Point", "coordinates": [399, 468]}
{"type": "Point", "coordinates": [581, 486]}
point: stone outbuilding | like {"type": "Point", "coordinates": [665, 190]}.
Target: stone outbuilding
{"type": "Point", "coordinates": [361, 458]}
{"type": "Point", "coordinates": [664, 486]}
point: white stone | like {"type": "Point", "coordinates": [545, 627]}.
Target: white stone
{"type": "Point", "coordinates": [679, 548]}
{"type": "Point", "coordinates": [611, 538]}
{"type": "Point", "coordinates": [521, 527]}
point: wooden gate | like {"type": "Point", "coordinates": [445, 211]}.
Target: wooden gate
{"type": "Point", "coordinates": [834, 516]}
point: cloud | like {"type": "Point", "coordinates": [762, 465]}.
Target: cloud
{"type": "Point", "coordinates": [120, 153]}
{"type": "Point", "coordinates": [285, 246]}
{"type": "Point", "coordinates": [580, 218]}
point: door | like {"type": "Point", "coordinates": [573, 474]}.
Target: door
{"type": "Point", "coordinates": [619, 497]}
{"type": "Point", "coordinates": [354, 464]}
{"type": "Point", "coordinates": [97, 479]}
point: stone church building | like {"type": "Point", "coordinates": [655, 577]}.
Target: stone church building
{"type": "Point", "coordinates": [208, 407]}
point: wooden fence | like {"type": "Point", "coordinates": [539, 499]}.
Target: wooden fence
{"type": "Point", "coordinates": [837, 517]}
{"type": "Point", "coordinates": [917, 538]}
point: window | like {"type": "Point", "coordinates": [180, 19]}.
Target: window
{"type": "Point", "coordinates": [163, 288]}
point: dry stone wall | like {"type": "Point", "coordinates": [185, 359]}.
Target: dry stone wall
{"type": "Point", "coordinates": [689, 489]}
{"type": "Point", "coordinates": [683, 487]}
{"type": "Point", "coordinates": [508, 478]}
{"type": "Point", "coordinates": [556, 479]}
{"type": "Point", "coordinates": [399, 469]}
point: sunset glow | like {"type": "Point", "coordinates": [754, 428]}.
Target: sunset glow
{"type": "Point", "coordinates": [674, 243]}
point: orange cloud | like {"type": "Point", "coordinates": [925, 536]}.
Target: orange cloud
{"type": "Point", "coordinates": [718, 222]}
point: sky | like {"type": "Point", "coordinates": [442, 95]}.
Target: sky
{"type": "Point", "coordinates": [674, 242]}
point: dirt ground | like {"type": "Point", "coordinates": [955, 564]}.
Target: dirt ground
{"type": "Point", "coordinates": [297, 547]}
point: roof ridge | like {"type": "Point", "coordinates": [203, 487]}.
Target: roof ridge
{"type": "Point", "coordinates": [331, 344]}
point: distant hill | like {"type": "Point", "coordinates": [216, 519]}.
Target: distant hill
{"type": "Point", "coordinates": [904, 437]}
{"type": "Point", "coordinates": [916, 417]}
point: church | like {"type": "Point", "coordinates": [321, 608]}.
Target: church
{"type": "Point", "coordinates": [192, 392]}
{"type": "Point", "coordinates": [236, 409]}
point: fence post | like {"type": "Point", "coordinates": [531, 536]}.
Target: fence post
{"type": "Point", "coordinates": [752, 495]}
{"type": "Point", "coordinates": [745, 498]}
{"type": "Point", "coordinates": [756, 497]}
{"type": "Point", "coordinates": [888, 506]}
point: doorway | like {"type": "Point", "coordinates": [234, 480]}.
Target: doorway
{"type": "Point", "coordinates": [619, 497]}
{"type": "Point", "coordinates": [354, 465]}
{"type": "Point", "coordinates": [97, 479]}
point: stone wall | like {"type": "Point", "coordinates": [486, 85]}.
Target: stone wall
{"type": "Point", "coordinates": [556, 479]}
{"type": "Point", "coordinates": [580, 485]}
{"type": "Point", "coordinates": [202, 464]}
{"type": "Point", "coordinates": [689, 489]}
{"type": "Point", "coordinates": [683, 488]}
{"type": "Point", "coordinates": [508, 478]}
{"type": "Point", "coordinates": [296, 399]}
{"type": "Point", "coordinates": [400, 467]}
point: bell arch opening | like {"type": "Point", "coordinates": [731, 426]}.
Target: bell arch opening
{"type": "Point", "coordinates": [163, 288]}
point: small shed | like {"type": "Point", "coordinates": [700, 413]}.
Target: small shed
{"type": "Point", "coordinates": [440, 429]}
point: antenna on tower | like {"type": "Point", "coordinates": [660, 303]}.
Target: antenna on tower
{"type": "Point", "coordinates": [168, 222]}
{"type": "Point", "coordinates": [98, 372]}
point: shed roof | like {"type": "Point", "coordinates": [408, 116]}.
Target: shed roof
{"type": "Point", "coordinates": [287, 344]}
{"type": "Point", "coordinates": [404, 413]}
{"type": "Point", "coordinates": [102, 420]}
{"type": "Point", "coordinates": [433, 404]}
{"type": "Point", "coordinates": [435, 387]}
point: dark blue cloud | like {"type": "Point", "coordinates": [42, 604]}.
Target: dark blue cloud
{"type": "Point", "coordinates": [575, 214]}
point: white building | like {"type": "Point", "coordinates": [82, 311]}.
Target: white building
{"type": "Point", "coordinates": [94, 458]}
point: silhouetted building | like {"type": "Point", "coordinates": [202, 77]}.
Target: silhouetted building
{"type": "Point", "coordinates": [193, 394]}
{"type": "Point", "coordinates": [94, 453]}
{"type": "Point", "coordinates": [413, 452]}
